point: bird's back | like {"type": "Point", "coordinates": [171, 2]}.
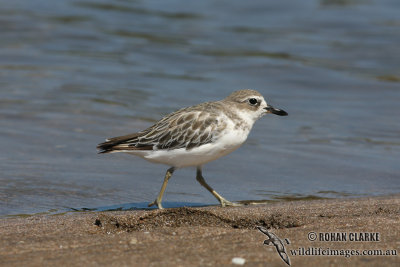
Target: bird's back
{"type": "Point", "coordinates": [186, 128]}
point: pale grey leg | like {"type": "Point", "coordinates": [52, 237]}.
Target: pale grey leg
{"type": "Point", "coordinates": [158, 200]}
{"type": "Point", "coordinates": [223, 201]}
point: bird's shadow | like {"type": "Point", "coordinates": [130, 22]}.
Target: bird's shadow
{"type": "Point", "coordinates": [166, 204]}
{"type": "Point", "coordinates": [141, 206]}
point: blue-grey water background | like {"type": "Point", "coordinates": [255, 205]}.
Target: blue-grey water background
{"type": "Point", "coordinates": [73, 72]}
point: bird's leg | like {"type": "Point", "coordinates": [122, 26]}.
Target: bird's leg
{"type": "Point", "coordinates": [223, 201]}
{"type": "Point", "coordinates": [168, 175]}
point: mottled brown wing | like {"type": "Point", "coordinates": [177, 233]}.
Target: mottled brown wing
{"type": "Point", "coordinates": [182, 129]}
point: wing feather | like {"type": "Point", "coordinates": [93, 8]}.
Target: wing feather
{"type": "Point", "coordinates": [182, 129]}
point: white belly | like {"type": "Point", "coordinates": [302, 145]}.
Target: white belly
{"type": "Point", "coordinates": [229, 141]}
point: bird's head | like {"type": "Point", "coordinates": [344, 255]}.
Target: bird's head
{"type": "Point", "coordinates": [252, 104]}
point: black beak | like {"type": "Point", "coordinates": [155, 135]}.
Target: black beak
{"type": "Point", "coordinates": [276, 111]}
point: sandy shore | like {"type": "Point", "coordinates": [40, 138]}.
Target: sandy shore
{"type": "Point", "coordinates": [210, 236]}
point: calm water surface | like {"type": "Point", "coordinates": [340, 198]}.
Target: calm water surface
{"type": "Point", "coordinates": [74, 72]}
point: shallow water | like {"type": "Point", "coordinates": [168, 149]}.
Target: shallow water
{"type": "Point", "coordinates": [74, 72]}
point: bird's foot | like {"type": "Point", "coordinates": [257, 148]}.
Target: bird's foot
{"type": "Point", "coordinates": [225, 203]}
{"type": "Point", "coordinates": [156, 202]}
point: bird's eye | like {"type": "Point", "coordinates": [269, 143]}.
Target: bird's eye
{"type": "Point", "coordinates": [253, 101]}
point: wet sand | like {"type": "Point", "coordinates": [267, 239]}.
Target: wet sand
{"type": "Point", "coordinates": [209, 236]}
